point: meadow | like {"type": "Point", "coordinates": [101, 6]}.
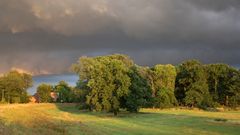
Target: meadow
{"type": "Point", "coordinates": [66, 119]}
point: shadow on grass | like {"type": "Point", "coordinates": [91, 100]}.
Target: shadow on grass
{"type": "Point", "coordinates": [161, 122]}
{"type": "Point", "coordinates": [74, 109]}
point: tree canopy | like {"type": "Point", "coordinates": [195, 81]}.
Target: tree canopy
{"type": "Point", "coordinates": [191, 84]}
{"type": "Point", "coordinates": [65, 92]}
{"type": "Point", "coordinates": [140, 93]}
{"type": "Point", "coordinates": [13, 86]}
{"type": "Point", "coordinates": [44, 93]}
{"type": "Point", "coordinates": [164, 79]}
{"type": "Point", "coordinates": [107, 79]}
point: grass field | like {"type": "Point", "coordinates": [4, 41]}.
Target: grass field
{"type": "Point", "coordinates": [66, 119]}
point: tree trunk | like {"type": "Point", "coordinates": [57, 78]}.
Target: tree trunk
{"type": "Point", "coordinates": [215, 90]}
{"type": "Point", "coordinates": [115, 113]}
{"type": "Point", "coordinates": [3, 97]}
{"type": "Point", "coordinates": [153, 88]}
{"type": "Point", "coordinates": [226, 101]}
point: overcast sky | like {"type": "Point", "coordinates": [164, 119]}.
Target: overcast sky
{"type": "Point", "coordinates": [47, 36]}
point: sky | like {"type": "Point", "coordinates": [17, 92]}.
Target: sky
{"type": "Point", "coordinates": [47, 36]}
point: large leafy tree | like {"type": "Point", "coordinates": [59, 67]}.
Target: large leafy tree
{"type": "Point", "coordinates": [191, 84]}
{"type": "Point", "coordinates": [80, 92]}
{"type": "Point", "coordinates": [224, 84]}
{"type": "Point", "coordinates": [65, 92]}
{"type": "Point", "coordinates": [233, 88]}
{"type": "Point", "coordinates": [148, 74]}
{"type": "Point", "coordinates": [27, 83]}
{"type": "Point", "coordinates": [14, 87]}
{"type": "Point", "coordinates": [217, 78]}
{"type": "Point", "coordinates": [44, 93]}
{"type": "Point", "coordinates": [107, 79]}
{"type": "Point", "coordinates": [140, 94]}
{"type": "Point", "coordinates": [161, 79]}
{"type": "Point", "coordinates": [164, 79]}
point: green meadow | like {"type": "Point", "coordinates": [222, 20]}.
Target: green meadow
{"type": "Point", "coordinates": [67, 119]}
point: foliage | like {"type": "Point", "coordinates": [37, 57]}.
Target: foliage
{"type": "Point", "coordinates": [107, 80]}
{"type": "Point", "coordinates": [13, 86]}
{"type": "Point", "coordinates": [139, 92]}
{"type": "Point", "coordinates": [217, 76]}
{"type": "Point", "coordinates": [232, 92]}
{"type": "Point", "coordinates": [191, 84]}
{"type": "Point", "coordinates": [65, 93]}
{"type": "Point", "coordinates": [148, 74]}
{"type": "Point", "coordinates": [44, 93]}
{"type": "Point", "coordinates": [164, 82]}
{"type": "Point", "coordinates": [81, 91]}
{"type": "Point", "coordinates": [224, 84]}
{"type": "Point", "coordinates": [165, 98]}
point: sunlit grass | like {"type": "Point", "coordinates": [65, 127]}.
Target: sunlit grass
{"type": "Point", "coordinates": [64, 119]}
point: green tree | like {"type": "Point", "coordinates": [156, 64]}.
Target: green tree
{"type": "Point", "coordinates": [65, 93]}
{"type": "Point", "coordinates": [2, 88]}
{"type": "Point", "coordinates": [84, 90]}
{"type": "Point", "coordinates": [191, 85]}
{"type": "Point", "coordinates": [148, 74]}
{"type": "Point", "coordinates": [14, 87]}
{"type": "Point", "coordinates": [231, 94]}
{"type": "Point", "coordinates": [81, 91]}
{"type": "Point", "coordinates": [27, 83]}
{"type": "Point", "coordinates": [107, 80]}
{"type": "Point", "coordinates": [217, 76]}
{"type": "Point", "coordinates": [164, 82]}
{"type": "Point", "coordinates": [44, 93]}
{"type": "Point", "coordinates": [165, 98]}
{"type": "Point", "coordinates": [140, 94]}
{"type": "Point", "coordinates": [224, 84]}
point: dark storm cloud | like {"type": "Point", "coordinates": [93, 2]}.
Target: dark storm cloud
{"type": "Point", "coordinates": [217, 5]}
{"type": "Point", "coordinates": [47, 36]}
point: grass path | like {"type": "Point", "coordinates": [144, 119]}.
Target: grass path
{"type": "Point", "coordinates": [66, 119]}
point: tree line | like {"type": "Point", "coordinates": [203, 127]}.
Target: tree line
{"type": "Point", "coordinates": [114, 82]}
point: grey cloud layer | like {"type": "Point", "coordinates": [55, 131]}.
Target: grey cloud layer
{"type": "Point", "coordinates": [49, 35]}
